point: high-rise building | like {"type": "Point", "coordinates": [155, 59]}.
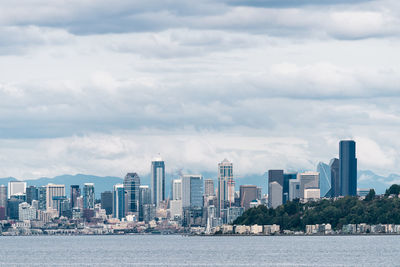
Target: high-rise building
{"type": "Point", "coordinates": [3, 202]}
{"type": "Point", "coordinates": [88, 196]}
{"type": "Point", "coordinates": [118, 201]}
{"type": "Point", "coordinates": [144, 200]}
{"type": "Point", "coordinates": [53, 191]}
{"type": "Point", "coordinates": [225, 174]}
{"type": "Point", "coordinates": [275, 189]}
{"type": "Point", "coordinates": [209, 187]}
{"type": "Point", "coordinates": [348, 167]}
{"type": "Point", "coordinates": [275, 176]}
{"type": "Point", "coordinates": [248, 193]}
{"type": "Point", "coordinates": [176, 189]}
{"type": "Point", "coordinates": [42, 198]}
{"type": "Point", "coordinates": [308, 180]}
{"type": "Point", "coordinates": [26, 212]}
{"type": "Point", "coordinates": [192, 191]}
{"type": "Point", "coordinates": [287, 177]}
{"type": "Point", "coordinates": [157, 181]}
{"type": "Point", "coordinates": [131, 185]}
{"type": "Point", "coordinates": [75, 193]}
{"type": "Point", "coordinates": [294, 189]}
{"type": "Point", "coordinates": [335, 178]}
{"type": "Point", "coordinates": [13, 208]}
{"type": "Point", "coordinates": [31, 194]}
{"type": "Point", "coordinates": [16, 187]}
{"type": "Point", "coordinates": [324, 179]}
{"type": "Point", "coordinates": [106, 201]}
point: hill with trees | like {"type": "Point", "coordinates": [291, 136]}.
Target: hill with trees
{"type": "Point", "coordinates": [294, 215]}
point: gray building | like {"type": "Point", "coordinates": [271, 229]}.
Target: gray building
{"type": "Point", "coordinates": [335, 177]}
{"type": "Point", "coordinates": [294, 189]}
{"type": "Point", "coordinates": [225, 174]}
{"type": "Point", "coordinates": [324, 179]}
{"type": "Point", "coordinates": [75, 193]}
{"type": "Point", "coordinates": [3, 202]}
{"type": "Point", "coordinates": [308, 180]}
{"type": "Point", "coordinates": [248, 193]}
{"type": "Point", "coordinates": [88, 196]}
{"type": "Point", "coordinates": [106, 201]}
{"type": "Point", "coordinates": [209, 187]}
{"type": "Point", "coordinates": [276, 190]}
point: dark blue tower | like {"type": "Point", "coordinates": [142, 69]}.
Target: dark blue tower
{"type": "Point", "coordinates": [348, 168]}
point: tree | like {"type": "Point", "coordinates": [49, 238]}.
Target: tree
{"type": "Point", "coordinates": [371, 195]}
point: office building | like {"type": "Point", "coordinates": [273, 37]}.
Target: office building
{"type": "Point", "coordinates": [106, 202]}
{"type": "Point", "coordinates": [335, 178]}
{"type": "Point", "coordinates": [275, 176]}
{"type": "Point", "coordinates": [88, 196]}
{"type": "Point", "coordinates": [248, 193]}
{"type": "Point", "coordinates": [26, 212]}
{"type": "Point", "coordinates": [209, 189]}
{"type": "Point", "coordinates": [53, 191]}
{"type": "Point", "coordinates": [15, 188]}
{"type": "Point", "coordinates": [348, 167]}
{"type": "Point", "coordinates": [13, 208]}
{"type": "Point", "coordinates": [176, 189]}
{"type": "Point", "coordinates": [233, 213]}
{"type": "Point", "coordinates": [192, 191]}
{"type": "Point", "coordinates": [287, 177]}
{"type": "Point", "coordinates": [294, 189]}
{"type": "Point", "coordinates": [157, 181]}
{"type": "Point", "coordinates": [132, 185]}
{"type": "Point", "coordinates": [275, 189]}
{"type": "Point", "coordinates": [308, 180]}
{"type": "Point", "coordinates": [118, 201]}
{"type": "Point", "coordinates": [312, 194]}
{"type": "Point", "coordinates": [324, 179]}
{"type": "Point", "coordinates": [3, 202]}
{"type": "Point", "coordinates": [175, 209]}
{"type": "Point", "coordinates": [225, 174]}
{"type": "Point", "coordinates": [31, 194]}
{"type": "Point", "coordinates": [42, 198]}
{"type": "Point", "coordinates": [75, 193]}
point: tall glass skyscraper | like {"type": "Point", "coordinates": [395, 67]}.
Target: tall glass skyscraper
{"type": "Point", "coordinates": [75, 193]}
{"type": "Point", "coordinates": [348, 167]}
{"type": "Point", "coordinates": [118, 201]}
{"type": "Point", "coordinates": [335, 178]}
{"type": "Point", "coordinates": [131, 185]}
{"type": "Point", "coordinates": [324, 179]}
{"type": "Point", "coordinates": [88, 196]}
{"type": "Point", "coordinates": [157, 181]}
{"type": "Point", "coordinates": [273, 196]}
{"type": "Point", "coordinates": [3, 202]}
{"type": "Point", "coordinates": [192, 191]}
{"type": "Point", "coordinates": [225, 183]}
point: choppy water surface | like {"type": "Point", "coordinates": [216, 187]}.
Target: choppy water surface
{"type": "Point", "coordinates": [200, 251]}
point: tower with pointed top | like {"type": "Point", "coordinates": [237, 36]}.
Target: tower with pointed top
{"type": "Point", "coordinates": [226, 185]}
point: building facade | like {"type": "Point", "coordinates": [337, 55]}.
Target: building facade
{"type": "Point", "coordinates": [132, 185]}
{"type": "Point", "coordinates": [157, 181]}
{"type": "Point", "coordinates": [225, 174]}
{"type": "Point", "coordinates": [348, 167]}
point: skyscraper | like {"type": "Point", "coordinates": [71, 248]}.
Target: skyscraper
{"type": "Point", "coordinates": [348, 167]}
{"type": "Point", "coordinates": [287, 177]}
{"type": "Point", "coordinates": [52, 192]}
{"type": "Point", "coordinates": [145, 201]}
{"type": "Point", "coordinates": [192, 191]}
{"type": "Point", "coordinates": [248, 193]}
{"type": "Point", "coordinates": [335, 178]}
{"type": "Point", "coordinates": [3, 202]}
{"type": "Point", "coordinates": [275, 189]}
{"type": "Point", "coordinates": [31, 194]}
{"type": "Point", "coordinates": [88, 196]}
{"type": "Point", "coordinates": [294, 188]}
{"type": "Point", "coordinates": [176, 189]}
{"type": "Point", "coordinates": [106, 201]}
{"type": "Point", "coordinates": [131, 185]}
{"type": "Point", "coordinates": [16, 187]}
{"type": "Point", "coordinates": [118, 201]}
{"type": "Point", "coordinates": [157, 181]}
{"type": "Point", "coordinates": [42, 198]}
{"type": "Point", "coordinates": [75, 193]}
{"type": "Point", "coordinates": [324, 179]}
{"type": "Point", "coordinates": [225, 174]}
{"type": "Point", "coordinates": [209, 187]}
{"type": "Point", "coordinates": [275, 176]}
{"type": "Point", "coordinates": [308, 180]}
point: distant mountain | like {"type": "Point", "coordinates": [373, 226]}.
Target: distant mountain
{"type": "Point", "coordinates": [366, 179]}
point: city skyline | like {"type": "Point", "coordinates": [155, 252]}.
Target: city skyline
{"type": "Point", "coordinates": [197, 83]}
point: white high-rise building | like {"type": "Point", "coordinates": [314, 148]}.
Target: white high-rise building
{"type": "Point", "coordinates": [157, 181]}
{"type": "Point", "coordinates": [176, 189]}
{"type": "Point", "coordinates": [311, 193]}
{"type": "Point", "coordinates": [16, 188]}
{"type": "Point", "coordinates": [294, 189]}
{"type": "Point", "coordinates": [52, 191]}
{"type": "Point", "coordinates": [275, 190]}
{"type": "Point", "coordinates": [26, 212]}
{"type": "Point", "coordinates": [209, 187]}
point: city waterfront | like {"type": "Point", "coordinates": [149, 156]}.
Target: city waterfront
{"type": "Point", "coordinates": [176, 250]}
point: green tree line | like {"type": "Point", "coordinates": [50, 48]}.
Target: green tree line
{"type": "Point", "coordinates": [348, 210]}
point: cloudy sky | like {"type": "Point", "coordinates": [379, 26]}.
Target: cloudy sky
{"type": "Point", "coordinates": [101, 87]}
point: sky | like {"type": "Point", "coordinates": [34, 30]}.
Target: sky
{"type": "Point", "coordinates": [102, 87]}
